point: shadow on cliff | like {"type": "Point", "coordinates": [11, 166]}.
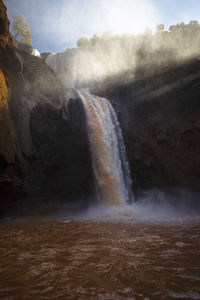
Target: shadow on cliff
{"type": "Point", "coordinates": [159, 114]}
{"type": "Point", "coordinates": [44, 158]}
{"type": "Point", "coordinates": [62, 167]}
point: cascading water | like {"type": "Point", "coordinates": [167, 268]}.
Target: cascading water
{"type": "Point", "coordinates": [110, 164]}
{"type": "Point", "coordinates": [64, 65]}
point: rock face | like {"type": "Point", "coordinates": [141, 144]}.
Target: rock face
{"type": "Point", "coordinates": [61, 166]}
{"type": "Point", "coordinates": [44, 151]}
{"type": "Point", "coordinates": [45, 159]}
{"type": "Point", "coordinates": [10, 171]}
{"type": "Point", "coordinates": [47, 140]}
{"type": "Point", "coordinates": [160, 115]}
{"type": "Point", "coordinates": [5, 37]}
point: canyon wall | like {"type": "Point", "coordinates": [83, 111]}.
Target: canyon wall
{"type": "Point", "coordinates": [160, 118]}
{"type": "Point", "coordinates": [45, 160]}
{"type": "Point", "coordinates": [44, 150]}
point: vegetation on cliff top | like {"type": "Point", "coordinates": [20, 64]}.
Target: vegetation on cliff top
{"type": "Point", "coordinates": [22, 29]}
{"type": "Point", "coordinates": [112, 55]}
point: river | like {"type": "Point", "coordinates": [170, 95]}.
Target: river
{"type": "Point", "coordinates": [99, 259]}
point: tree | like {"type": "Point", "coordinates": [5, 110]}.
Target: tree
{"type": "Point", "coordinates": [83, 42]}
{"type": "Point", "coordinates": [160, 27]}
{"type": "Point", "coordinates": [21, 28]}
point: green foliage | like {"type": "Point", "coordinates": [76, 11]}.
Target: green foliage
{"type": "Point", "coordinates": [160, 27]}
{"type": "Point", "coordinates": [22, 29]}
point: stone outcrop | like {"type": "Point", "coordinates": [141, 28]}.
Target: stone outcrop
{"type": "Point", "coordinates": [5, 37]}
{"type": "Point", "coordinates": [10, 171]}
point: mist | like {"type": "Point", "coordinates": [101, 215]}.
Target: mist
{"type": "Point", "coordinates": [114, 38]}
{"type": "Point", "coordinates": [123, 57]}
{"type": "Point", "coordinates": [152, 206]}
{"type": "Point", "coordinates": [56, 26]}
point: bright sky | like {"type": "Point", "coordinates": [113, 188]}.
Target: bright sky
{"type": "Point", "coordinates": [57, 24]}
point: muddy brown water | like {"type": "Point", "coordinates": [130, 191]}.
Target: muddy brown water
{"type": "Point", "coordinates": [85, 259]}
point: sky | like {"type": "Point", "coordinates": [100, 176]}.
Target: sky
{"type": "Point", "coordinates": [57, 24]}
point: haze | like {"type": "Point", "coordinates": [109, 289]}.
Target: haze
{"type": "Point", "coordinates": [56, 25]}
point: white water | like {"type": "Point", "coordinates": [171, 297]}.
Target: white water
{"type": "Point", "coordinates": [64, 65]}
{"type": "Point", "coordinates": [110, 165]}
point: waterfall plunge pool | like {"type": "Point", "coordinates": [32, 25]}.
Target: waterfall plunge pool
{"type": "Point", "coordinates": [99, 259]}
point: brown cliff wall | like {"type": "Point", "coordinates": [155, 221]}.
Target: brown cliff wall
{"type": "Point", "coordinates": [5, 37]}
{"type": "Point", "coordinates": [44, 157]}
{"type": "Point", "coordinates": [159, 115]}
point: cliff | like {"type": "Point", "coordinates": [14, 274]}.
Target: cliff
{"type": "Point", "coordinates": [159, 113]}
{"type": "Point", "coordinates": [45, 158]}
{"type": "Point", "coordinates": [44, 152]}
{"type": "Point", "coordinates": [5, 37]}
{"type": "Point", "coordinates": [10, 171]}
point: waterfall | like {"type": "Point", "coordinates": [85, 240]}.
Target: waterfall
{"type": "Point", "coordinates": [110, 165]}
{"type": "Point", "coordinates": [64, 65]}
